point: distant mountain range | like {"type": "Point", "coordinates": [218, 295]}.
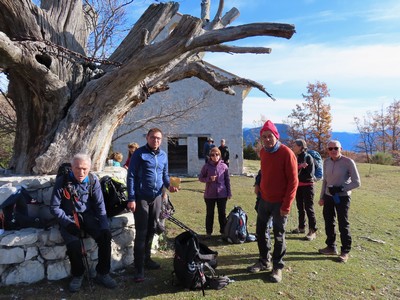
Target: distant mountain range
{"type": "Point", "coordinates": [348, 140]}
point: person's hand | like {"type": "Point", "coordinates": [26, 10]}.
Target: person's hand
{"type": "Point", "coordinates": [131, 206]}
{"type": "Point", "coordinates": [213, 178]}
{"type": "Point", "coordinates": [173, 189]}
{"type": "Point", "coordinates": [303, 165]}
{"type": "Point", "coordinates": [321, 202]}
{"type": "Point", "coordinates": [335, 189]}
{"type": "Point", "coordinates": [73, 229]}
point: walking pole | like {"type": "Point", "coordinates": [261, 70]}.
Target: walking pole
{"type": "Point", "coordinates": [83, 249]}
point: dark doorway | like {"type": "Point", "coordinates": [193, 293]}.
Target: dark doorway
{"type": "Point", "coordinates": [177, 155]}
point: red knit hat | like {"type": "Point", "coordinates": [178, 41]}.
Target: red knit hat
{"type": "Point", "coordinates": [271, 127]}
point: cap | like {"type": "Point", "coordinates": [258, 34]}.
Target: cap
{"type": "Point", "coordinates": [271, 127]}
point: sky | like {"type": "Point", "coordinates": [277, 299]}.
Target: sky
{"type": "Point", "coordinates": [351, 45]}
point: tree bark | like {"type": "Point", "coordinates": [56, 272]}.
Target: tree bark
{"type": "Point", "coordinates": [67, 103]}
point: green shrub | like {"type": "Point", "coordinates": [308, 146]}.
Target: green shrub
{"type": "Point", "coordinates": [381, 158]}
{"type": "Point", "coordinates": [250, 153]}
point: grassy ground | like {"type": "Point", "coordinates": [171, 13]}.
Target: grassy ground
{"type": "Point", "coordinates": [372, 271]}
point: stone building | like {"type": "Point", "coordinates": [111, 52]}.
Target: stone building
{"type": "Point", "coordinates": [188, 113]}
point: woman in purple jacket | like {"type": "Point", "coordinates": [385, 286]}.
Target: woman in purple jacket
{"type": "Point", "coordinates": [218, 189]}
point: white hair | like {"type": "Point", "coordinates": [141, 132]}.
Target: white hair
{"type": "Point", "coordinates": [81, 157]}
{"type": "Point", "coordinates": [334, 142]}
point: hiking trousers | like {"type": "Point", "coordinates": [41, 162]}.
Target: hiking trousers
{"type": "Point", "coordinates": [146, 214]}
{"type": "Point", "coordinates": [341, 210]}
{"type": "Point", "coordinates": [266, 210]}
{"type": "Point", "coordinates": [90, 225]}
{"type": "Point", "coordinates": [305, 205]}
{"type": "Point", "coordinates": [210, 207]}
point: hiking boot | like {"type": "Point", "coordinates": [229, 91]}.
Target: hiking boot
{"type": "Point", "coordinates": [151, 264]}
{"type": "Point", "coordinates": [139, 276]}
{"type": "Point", "coordinates": [276, 275]}
{"type": "Point", "coordinates": [75, 284]}
{"type": "Point", "coordinates": [328, 251]}
{"type": "Point", "coordinates": [106, 280]}
{"type": "Point", "coordinates": [312, 235]}
{"type": "Point", "coordinates": [298, 230]}
{"type": "Point", "coordinates": [260, 265]}
{"type": "Point", "coordinates": [343, 258]}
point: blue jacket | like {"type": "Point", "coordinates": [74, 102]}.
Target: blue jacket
{"type": "Point", "coordinates": [221, 187]}
{"type": "Point", "coordinates": [147, 174]}
{"type": "Point", "coordinates": [61, 207]}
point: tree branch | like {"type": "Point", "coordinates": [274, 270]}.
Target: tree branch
{"type": "Point", "coordinates": [234, 49]}
{"type": "Point", "coordinates": [229, 34]}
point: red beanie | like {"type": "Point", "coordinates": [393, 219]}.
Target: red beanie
{"type": "Point", "coordinates": [271, 127]}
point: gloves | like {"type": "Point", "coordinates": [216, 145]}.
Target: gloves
{"type": "Point", "coordinates": [73, 229]}
{"type": "Point", "coordinates": [335, 189]}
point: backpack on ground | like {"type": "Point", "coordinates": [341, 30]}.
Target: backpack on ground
{"type": "Point", "coordinates": [318, 164]}
{"type": "Point", "coordinates": [235, 230]}
{"type": "Point", "coordinates": [115, 195]}
{"type": "Point", "coordinates": [195, 263]}
{"type": "Point", "coordinates": [16, 213]}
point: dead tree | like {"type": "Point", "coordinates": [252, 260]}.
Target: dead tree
{"type": "Point", "coordinates": [67, 103]}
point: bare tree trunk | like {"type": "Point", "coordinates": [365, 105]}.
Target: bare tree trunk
{"type": "Point", "coordinates": [67, 103]}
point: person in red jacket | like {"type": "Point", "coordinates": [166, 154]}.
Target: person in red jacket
{"type": "Point", "coordinates": [278, 185]}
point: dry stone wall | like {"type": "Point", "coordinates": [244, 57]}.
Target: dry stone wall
{"type": "Point", "coordinates": [30, 255]}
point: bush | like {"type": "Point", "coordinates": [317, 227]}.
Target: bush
{"type": "Point", "coordinates": [381, 158]}
{"type": "Point", "coordinates": [250, 153]}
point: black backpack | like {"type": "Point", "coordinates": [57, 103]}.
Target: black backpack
{"type": "Point", "coordinates": [115, 195]}
{"type": "Point", "coordinates": [235, 230]}
{"type": "Point", "coordinates": [16, 213]}
{"type": "Point", "coordinates": [192, 260]}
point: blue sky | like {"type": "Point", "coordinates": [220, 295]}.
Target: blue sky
{"type": "Point", "coordinates": [353, 46]}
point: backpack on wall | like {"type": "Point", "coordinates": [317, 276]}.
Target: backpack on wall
{"type": "Point", "coordinates": [235, 230]}
{"type": "Point", "coordinates": [318, 164]}
{"type": "Point", "coordinates": [115, 195]}
{"type": "Point", "coordinates": [195, 263]}
{"type": "Point", "coordinates": [16, 213]}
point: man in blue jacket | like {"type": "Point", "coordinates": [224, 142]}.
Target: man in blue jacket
{"type": "Point", "coordinates": [147, 176]}
{"type": "Point", "coordinates": [78, 204]}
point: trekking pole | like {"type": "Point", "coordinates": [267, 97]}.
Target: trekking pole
{"type": "Point", "coordinates": [83, 249]}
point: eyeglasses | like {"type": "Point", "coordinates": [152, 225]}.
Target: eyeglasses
{"type": "Point", "coordinates": [214, 154]}
{"type": "Point", "coordinates": [333, 148]}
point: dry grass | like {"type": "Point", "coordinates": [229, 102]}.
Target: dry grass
{"type": "Point", "coordinates": [371, 273]}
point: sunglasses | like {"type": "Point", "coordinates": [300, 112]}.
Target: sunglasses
{"type": "Point", "coordinates": [333, 148]}
{"type": "Point", "coordinates": [214, 154]}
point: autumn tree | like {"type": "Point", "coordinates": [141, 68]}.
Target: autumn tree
{"type": "Point", "coordinates": [66, 101]}
{"type": "Point", "coordinates": [312, 119]}
{"type": "Point", "coordinates": [367, 136]}
{"type": "Point", "coordinates": [393, 125]}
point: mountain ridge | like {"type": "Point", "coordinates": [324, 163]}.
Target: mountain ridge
{"type": "Point", "coordinates": [347, 139]}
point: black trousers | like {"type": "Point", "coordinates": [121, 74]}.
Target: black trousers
{"type": "Point", "coordinates": [332, 210]}
{"type": "Point", "coordinates": [305, 205]}
{"type": "Point", "coordinates": [90, 225]}
{"type": "Point", "coordinates": [210, 208]}
{"type": "Point", "coordinates": [145, 215]}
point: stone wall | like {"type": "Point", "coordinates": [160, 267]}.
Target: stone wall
{"type": "Point", "coordinates": [30, 255]}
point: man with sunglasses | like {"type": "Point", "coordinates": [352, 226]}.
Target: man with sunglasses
{"type": "Point", "coordinates": [340, 177]}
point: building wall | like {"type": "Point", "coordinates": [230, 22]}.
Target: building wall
{"type": "Point", "coordinates": [219, 116]}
